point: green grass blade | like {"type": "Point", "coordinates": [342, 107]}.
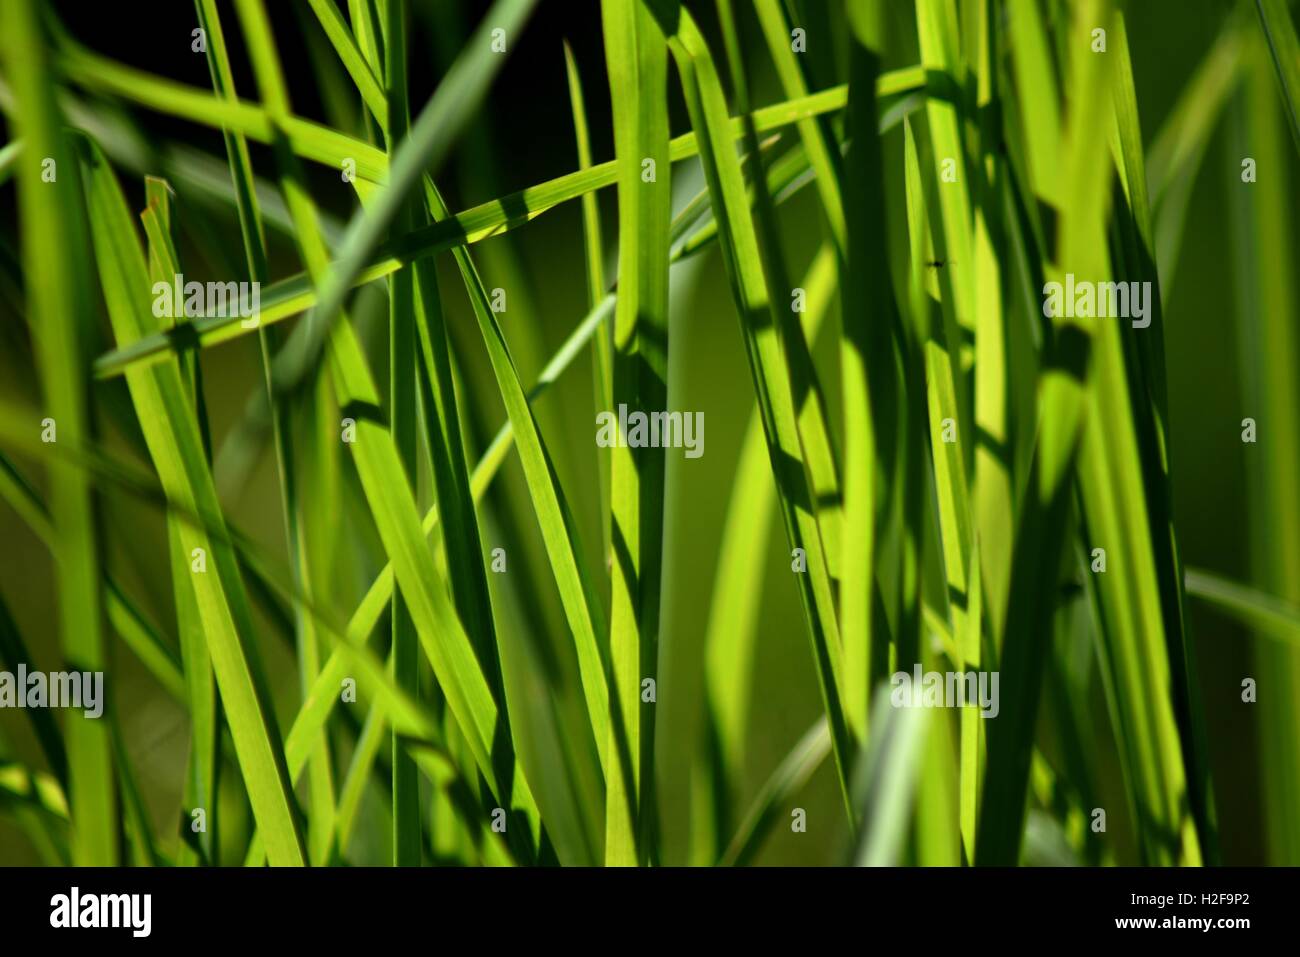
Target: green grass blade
{"type": "Point", "coordinates": [354, 61]}
{"type": "Point", "coordinates": [379, 464]}
{"type": "Point", "coordinates": [402, 418]}
{"type": "Point", "coordinates": [307, 139]}
{"type": "Point", "coordinates": [995, 401]}
{"type": "Point", "coordinates": [731, 637]}
{"type": "Point", "coordinates": [707, 107]}
{"type": "Point", "coordinates": [823, 154]}
{"type": "Point", "coordinates": [1179, 147]}
{"type": "Point", "coordinates": [295, 294]}
{"type": "Point", "coordinates": [174, 441]}
{"type": "Point", "coordinates": [1267, 300]}
{"type": "Point", "coordinates": [1117, 514]}
{"type": "Point", "coordinates": [555, 518]}
{"type": "Point", "coordinates": [1043, 519]}
{"type": "Point", "coordinates": [1285, 48]}
{"type": "Point", "coordinates": [786, 781]}
{"type": "Point", "coordinates": [431, 135]}
{"type": "Point", "coordinates": [941, 358]}
{"type": "Point", "coordinates": [367, 748]}
{"type": "Point", "coordinates": [870, 346]}
{"type": "Point", "coordinates": [54, 250]}
{"type": "Point", "coordinates": [950, 229]}
{"type": "Point", "coordinates": [1266, 614]}
{"type": "Point", "coordinates": [306, 533]}
{"type": "Point", "coordinates": [886, 780]}
{"type": "Point", "coordinates": [593, 251]}
{"type": "Point", "coordinates": [812, 418]}
{"type": "Point", "coordinates": [1150, 414]}
{"type": "Point", "coordinates": [200, 792]}
{"type": "Point", "coordinates": [637, 63]}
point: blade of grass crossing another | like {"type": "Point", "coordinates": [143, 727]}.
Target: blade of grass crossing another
{"type": "Point", "coordinates": [731, 637]}
{"type": "Point", "coordinates": [429, 139]}
{"type": "Point", "coordinates": [322, 697]}
{"type": "Point", "coordinates": [1117, 515]}
{"type": "Point", "coordinates": [812, 419]}
{"type": "Point", "coordinates": [708, 112]}
{"type": "Point", "coordinates": [378, 462]}
{"type": "Point", "coordinates": [166, 415]}
{"type": "Point", "coordinates": [201, 778]}
{"type": "Point", "coordinates": [1134, 237]}
{"type": "Point", "coordinates": [307, 531]}
{"type": "Point", "coordinates": [559, 530]}
{"type": "Point", "coordinates": [1044, 516]}
{"type": "Point", "coordinates": [297, 293]}
{"type": "Point", "coordinates": [815, 133]}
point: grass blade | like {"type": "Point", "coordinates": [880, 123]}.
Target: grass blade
{"type": "Point", "coordinates": [200, 791]}
{"type": "Point", "coordinates": [637, 63]}
{"type": "Point", "coordinates": [1267, 303]}
{"type": "Point", "coordinates": [292, 295]}
{"type": "Point", "coordinates": [430, 136]}
{"type": "Point", "coordinates": [593, 251]}
{"type": "Point", "coordinates": [59, 302]}
{"type": "Point", "coordinates": [1268, 615]}
{"type": "Point", "coordinates": [786, 781]}
{"type": "Point", "coordinates": [379, 465]}
{"type": "Point", "coordinates": [731, 638]}
{"type": "Point", "coordinates": [886, 779]}
{"type": "Point", "coordinates": [1285, 48]}
{"type": "Point", "coordinates": [174, 441]}
{"type": "Point", "coordinates": [772, 384]}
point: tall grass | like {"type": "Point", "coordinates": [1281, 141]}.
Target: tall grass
{"type": "Point", "coordinates": [454, 632]}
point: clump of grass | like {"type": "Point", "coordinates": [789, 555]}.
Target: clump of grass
{"type": "Point", "coordinates": [481, 665]}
